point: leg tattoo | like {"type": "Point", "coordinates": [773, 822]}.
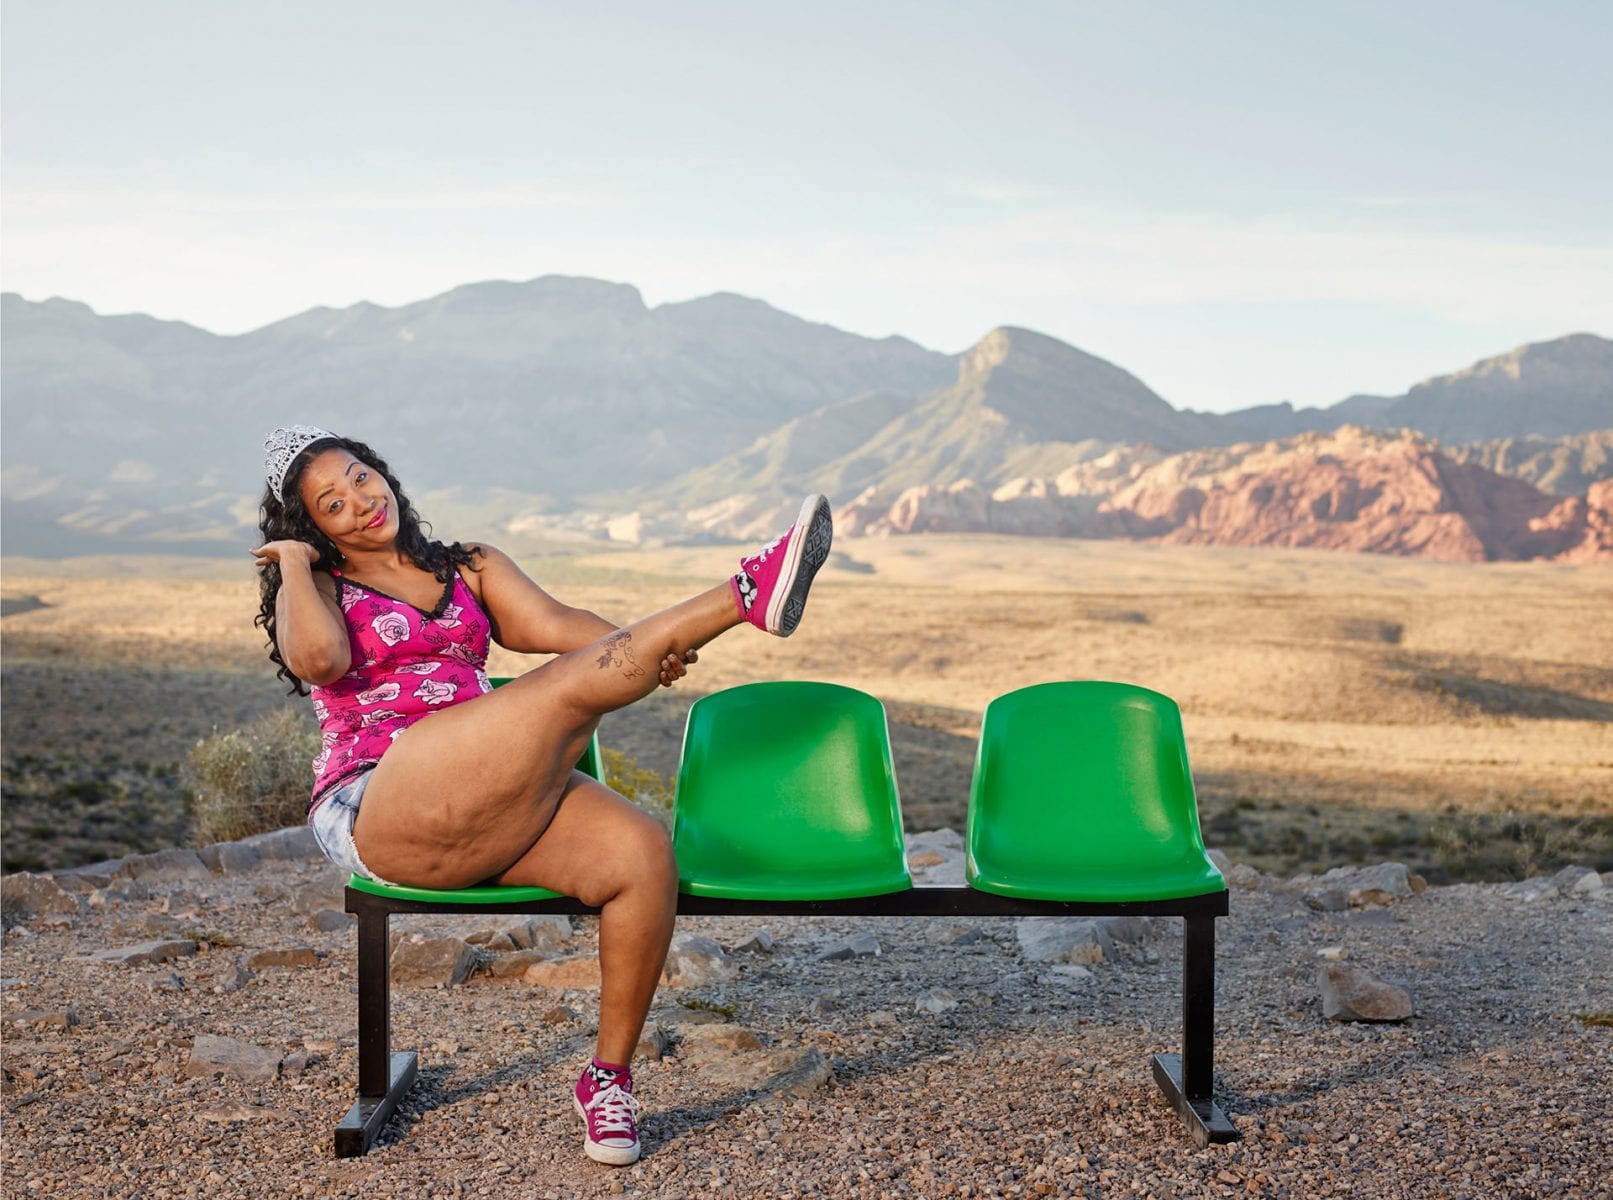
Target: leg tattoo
{"type": "Point", "coordinates": [618, 652]}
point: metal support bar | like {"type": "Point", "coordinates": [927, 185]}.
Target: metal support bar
{"type": "Point", "coordinates": [1198, 1006]}
{"type": "Point", "coordinates": [374, 1003]}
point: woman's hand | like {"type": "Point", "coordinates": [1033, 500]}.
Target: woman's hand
{"type": "Point", "coordinates": [674, 667]}
{"type": "Point", "coordinates": [285, 551]}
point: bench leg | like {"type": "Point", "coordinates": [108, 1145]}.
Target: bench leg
{"type": "Point", "coordinates": [1187, 1079]}
{"type": "Point", "coordinates": [383, 1077]}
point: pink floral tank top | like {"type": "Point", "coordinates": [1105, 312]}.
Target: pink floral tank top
{"type": "Point", "coordinates": [407, 664]}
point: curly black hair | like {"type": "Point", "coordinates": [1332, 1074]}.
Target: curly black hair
{"type": "Point", "coordinates": [289, 519]}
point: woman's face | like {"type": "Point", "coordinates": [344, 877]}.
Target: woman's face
{"type": "Point", "coordinates": [349, 501]}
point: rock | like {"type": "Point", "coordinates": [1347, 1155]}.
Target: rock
{"type": "Point", "coordinates": [760, 942]}
{"type": "Point", "coordinates": [796, 1073]}
{"type": "Point", "coordinates": [293, 844]}
{"type": "Point", "coordinates": [61, 1019]}
{"type": "Point", "coordinates": [291, 956]}
{"type": "Point", "coordinates": [1328, 899]}
{"type": "Point", "coordinates": [90, 877]}
{"type": "Point", "coordinates": [936, 856]}
{"type": "Point", "coordinates": [653, 1045]}
{"type": "Point", "coordinates": [935, 839]}
{"type": "Point", "coordinates": [514, 964]}
{"type": "Point", "coordinates": [330, 920]}
{"type": "Point", "coordinates": [144, 953]}
{"type": "Point", "coordinates": [862, 945]}
{"type": "Point", "coordinates": [1132, 930]}
{"type": "Point", "coordinates": [164, 866]}
{"type": "Point", "coordinates": [1242, 876]}
{"type": "Point", "coordinates": [26, 895]}
{"type": "Point", "coordinates": [1352, 994]}
{"type": "Point", "coordinates": [1577, 881]}
{"type": "Point", "coordinates": [882, 1017]}
{"type": "Point", "coordinates": [548, 932]}
{"type": "Point", "coordinates": [211, 1055]}
{"type": "Point", "coordinates": [327, 891]}
{"type": "Point", "coordinates": [696, 961]}
{"type": "Point", "coordinates": [1063, 939]}
{"type": "Point", "coordinates": [161, 925]}
{"type": "Point", "coordinates": [295, 1064]}
{"type": "Point", "coordinates": [558, 1014]}
{"type": "Point", "coordinates": [708, 1039]}
{"type": "Point", "coordinates": [230, 858]}
{"type": "Point", "coordinates": [1530, 890]}
{"type": "Point", "coordinates": [937, 1000]}
{"type": "Point", "coordinates": [235, 1110]}
{"type": "Point", "coordinates": [791, 1071]}
{"type": "Point", "coordinates": [956, 933]}
{"type": "Point", "coordinates": [1071, 973]}
{"type": "Point", "coordinates": [1221, 861]}
{"type": "Point", "coordinates": [1371, 885]}
{"type": "Point", "coordinates": [577, 971]}
{"type": "Point", "coordinates": [419, 961]}
{"type": "Point", "coordinates": [233, 980]}
{"type": "Point", "coordinates": [1333, 953]}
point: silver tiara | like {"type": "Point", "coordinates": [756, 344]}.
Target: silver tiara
{"type": "Point", "coordinates": [281, 447]}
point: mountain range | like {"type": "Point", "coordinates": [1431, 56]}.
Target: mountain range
{"type": "Point", "coordinates": [569, 404]}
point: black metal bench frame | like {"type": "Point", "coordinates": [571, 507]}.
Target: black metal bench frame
{"type": "Point", "coordinates": [384, 1075]}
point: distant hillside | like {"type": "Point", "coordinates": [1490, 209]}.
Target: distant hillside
{"type": "Point", "coordinates": [1564, 466]}
{"type": "Point", "coordinates": [1544, 389]}
{"type": "Point", "coordinates": [125, 429]}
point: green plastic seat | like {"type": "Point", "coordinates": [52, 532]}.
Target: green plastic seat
{"type": "Point", "coordinates": [786, 791]}
{"type": "Point", "coordinates": [589, 764]}
{"type": "Point", "coordinates": [1082, 792]}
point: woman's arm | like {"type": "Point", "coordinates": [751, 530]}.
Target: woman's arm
{"type": "Point", "coordinates": [526, 618]}
{"type": "Point", "coordinates": [309, 631]}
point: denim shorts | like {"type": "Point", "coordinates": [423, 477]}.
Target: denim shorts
{"type": "Point", "coordinates": [332, 823]}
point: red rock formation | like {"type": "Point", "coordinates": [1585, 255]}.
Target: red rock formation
{"type": "Point", "coordinates": [1347, 490]}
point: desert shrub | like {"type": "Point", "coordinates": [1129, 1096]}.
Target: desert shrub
{"type": "Point", "coordinates": [252, 780]}
{"type": "Point", "coordinates": [646, 788]}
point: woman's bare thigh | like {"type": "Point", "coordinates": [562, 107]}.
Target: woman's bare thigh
{"type": "Point", "coordinates": [463, 794]}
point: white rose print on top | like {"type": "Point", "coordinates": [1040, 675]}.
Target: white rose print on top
{"type": "Point", "coordinates": [391, 627]}
{"type": "Point", "coordinates": [350, 598]}
{"type": "Point", "coordinates": [433, 692]}
{"type": "Point", "coordinates": [450, 616]}
{"type": "Point", "coordinates": [376, 695]}
{"type": "Point", "coordinates": [425, 668]}
{"type": "Point", "coordinates": [379, 715]}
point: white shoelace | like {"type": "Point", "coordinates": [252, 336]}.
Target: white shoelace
{"type": "Point", "coordinates": [616, 1109]}
{"type": "Point", "coordinates": [761, 555]}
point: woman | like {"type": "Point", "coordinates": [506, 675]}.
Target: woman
{"type": "Point", "coordinates": [390, 627]}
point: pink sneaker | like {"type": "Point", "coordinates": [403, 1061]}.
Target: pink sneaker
{"type": "Point", "coordinates": [772, 584]}
{"type": "Point", "coordinates": [604, 1100]}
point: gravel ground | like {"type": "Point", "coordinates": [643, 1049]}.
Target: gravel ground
{"type": "Point", "coordinates": [1036, 1084]}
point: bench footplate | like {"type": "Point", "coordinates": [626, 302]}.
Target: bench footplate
{"type": "Point", "coordinates": [369, 1114]}
{"type": "Point", "coordinates": [1202, 1115]}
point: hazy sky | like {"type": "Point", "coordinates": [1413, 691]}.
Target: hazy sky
{"type": "Point", "coordinates": [1239, 202]}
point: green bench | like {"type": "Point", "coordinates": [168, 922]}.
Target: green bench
{"type": "Point", "coordinates": [1081, 805]}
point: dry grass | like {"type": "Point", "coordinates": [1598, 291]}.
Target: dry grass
{"type": "Point", "coordinates": [1339, 707]}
